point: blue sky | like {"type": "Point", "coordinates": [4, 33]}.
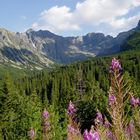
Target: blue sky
{"type": "Point", "coordinates": [70, 17]}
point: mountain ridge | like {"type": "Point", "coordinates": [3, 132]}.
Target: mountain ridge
{"type": "Point", "coordinates": [43, 48]}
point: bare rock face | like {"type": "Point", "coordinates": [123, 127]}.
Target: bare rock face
{"type": "Point", "coordinates": [43, 48]}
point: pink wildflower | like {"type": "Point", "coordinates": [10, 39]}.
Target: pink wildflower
{"type": "Point", "coordinates": [31, 133]}
{"type": "Point", "coordinates": [115, 65]}
{"type": "Point", "coordinates": [71, 109]}
{"type": "Point", "coordinates": [45, 114]}
{"type": "Point", "coordinates": [112, 99]}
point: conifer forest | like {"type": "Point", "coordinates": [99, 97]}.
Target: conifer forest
{"type": "Point", "coordinates": [90, 100]}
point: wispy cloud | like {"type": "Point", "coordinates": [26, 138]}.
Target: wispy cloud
{"type": "Point", "coordinates": [89, 13]}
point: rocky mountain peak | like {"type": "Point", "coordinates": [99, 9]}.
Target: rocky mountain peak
{"type": "Point", "coordinates": [29, 30]}
{"type": "Point", "coordinates": [44, 47]}
{"type": "Point", "coordinates": [41, 33]}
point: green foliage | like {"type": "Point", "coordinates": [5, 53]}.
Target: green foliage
{"type": "Point", "coordinates": [133, 42]}
{"type": "Point", "coordinates": [6, 68]}
{"type": "Point", "coordinates": [58, 130]}
{"type": "Point", "coordinates": [85, 83]}
{"type": "Point", "coordinates": [18, 112]}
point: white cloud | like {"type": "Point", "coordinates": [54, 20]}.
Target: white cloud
{"type": "Point", "coordinates": [125, 22]}
{"type": "Point", "coordinates": [56, 19]}
{"type": "Point", "coordinates": [97, 11]}
{"type": "Point", "coordinates": [89, 13]}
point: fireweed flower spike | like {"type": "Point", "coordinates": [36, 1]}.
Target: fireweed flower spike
{"type": "Point", "coordinates": [71, 109]}
{"type": "Point", "coordinates": [110, 135]}
{"type": "Point", "coordinates": [116, 69]}
{"type": "Point", "coordinates": [134, 101]}
{"type": "Point", "coordinates": [31, 134]}
{"type": "Point", "coordinates": [106, 124]}
{"type": "Point", "coordinates": [130, 128]}
{"type": "Point", "coordinates": [92, 135]}
{"type": "Point", "coordinates": [115, 65]}
{"type": "Point", "coordinates": [99, 118]}
{"type": "Point", "coordinates": [95, 135]}
{"type": "Point", "coordinates": [46, 123]}
{"type": "Point", "coordinates": [72, 130]}
{"type": "Point", "coordinates": [137, 101]}
{"type": "Point", "coordinates": [45, 114]}
{"type": "Point", "coordinates": [112, 99]}
{"type": "Point", "coordinates": [86, 135]}
{"type": "Point", "coordinates": [117, 100]}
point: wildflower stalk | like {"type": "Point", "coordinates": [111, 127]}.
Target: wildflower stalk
{"type": "Point", "coordinates": [46, 124]}
{"type": "Point", "coordinates": [116, 109]}
{"type": "Point", "coordinates": [119, 93]}
{"type": "Point", "coordinates": [31, 134]}
{"type": "Point", "coordinates": [73, 132]}
{"type": "Point", "coordinates": [136, 118]}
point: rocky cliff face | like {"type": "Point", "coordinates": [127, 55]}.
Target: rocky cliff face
{"type": "Point", "coordinates": [17, 48]}
{"type": "Point", "coordinates": [43, 48]}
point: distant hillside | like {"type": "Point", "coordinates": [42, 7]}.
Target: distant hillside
{"type": "Point", "coordinates": [39, 49]}
{"type": "Point", "coordinates": [133, 42]}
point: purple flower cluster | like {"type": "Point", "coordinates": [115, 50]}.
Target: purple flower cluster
{"type": "Point", "coordinates": [31, 133]}
{"type": "Point", "coordinates": [45, 114]}
{"type": "Point", "coordinates": [130, 128]}
{"type": "Point", "coordinates": [99, 118]}
{"type": "Point", "coordinates": [71, 109]}
{"type": "Point", "coordinates": [106, 124]}
{"type": "Point", "coordinates": [110, 135]}
{"type": "Point", "coordinates": [72, 130]}
{"type": "Point", "coordinates": [92, 135]}
{"type": "Point", "coordinates": [115, 65]}
{"type": "Point", "coordinates": [134, 101]}
{"type": "Point", "coordinates": [46, 124]}
{"type": "Point", "coordinates": [112, 99]}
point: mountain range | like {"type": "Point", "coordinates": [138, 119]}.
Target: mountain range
{"type": "Point", "coordinates": [39, 49]}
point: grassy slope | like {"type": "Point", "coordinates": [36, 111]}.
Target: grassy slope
{"type": "Point", "coordinates": [14, 72]}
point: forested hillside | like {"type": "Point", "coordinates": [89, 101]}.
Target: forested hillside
{"type": "Point", "coordinates": [133, 42]}
{"type": "Point", "coordinates": [86, 84]}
